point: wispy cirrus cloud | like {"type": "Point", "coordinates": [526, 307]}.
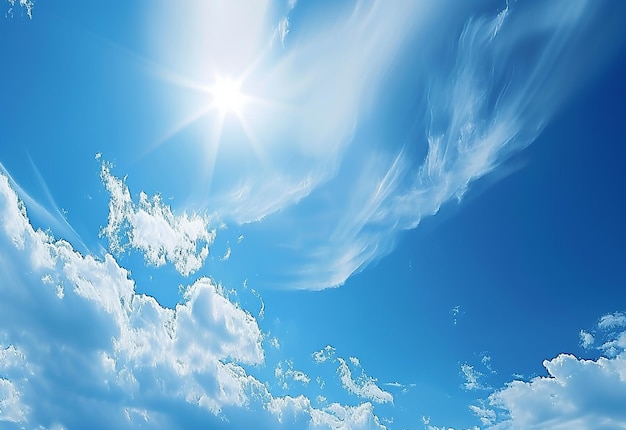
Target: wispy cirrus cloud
{"type": "Point", "coordinates": [285, 373]}
{"type": "Point", "coordinates": [26, 5]}
{"type": "Point", "coordinates": [353, 182]}
{"type": "Point", "coordinates": [615, 320]}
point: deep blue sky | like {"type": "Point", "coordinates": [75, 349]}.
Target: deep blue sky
{"type": "Point", "coordinates": [407, 210]}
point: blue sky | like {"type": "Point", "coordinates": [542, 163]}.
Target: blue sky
{"type": "Point", "coordinates": [300, 214]}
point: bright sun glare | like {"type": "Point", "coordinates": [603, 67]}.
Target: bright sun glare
{"type": "Point", "coordinates": [227, 96]}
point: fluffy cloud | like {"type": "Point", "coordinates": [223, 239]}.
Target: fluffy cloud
{"type": "Point", "coordinates": [99, 327]}
{"type": "Point", "coordinates": [335, 416]}
{"type": "Point", "coordinates": [576, 393]}
{"type": "Point", "coordinates": [80, 348]}
{"type": "Point", "coordinates": [151, 227]}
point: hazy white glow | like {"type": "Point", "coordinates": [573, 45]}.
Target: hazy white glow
{"type": "Point", "coordinates": [227, 96]}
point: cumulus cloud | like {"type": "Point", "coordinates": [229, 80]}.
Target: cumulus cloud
{"type": "Point", "coordinates": [117, 339]}
{"type": "Point", "coordinates": [151, 227]}
{"type": "Point", "coordinates": [334, 416]}
{"type": "Point", "coordinates": [50, 216]}
{"type": "Point", "coordinates": [429, 426]}
{"type": "Point", "coordinates": [125, 360]}
{"type": "Point", "coordinates": [576, 393]}
{"type": "Point", "coordinates": [10, 406]}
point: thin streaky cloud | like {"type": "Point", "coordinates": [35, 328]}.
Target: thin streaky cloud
{"type": "Point", "coordinates": [491, 102]}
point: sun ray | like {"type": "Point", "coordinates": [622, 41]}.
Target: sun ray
{"type": "Point", "coordinates": [227, 96]}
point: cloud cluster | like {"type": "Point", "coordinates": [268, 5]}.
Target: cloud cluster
{"type": "Point", "coordinates": [285, 373]}
{"type": "Point", "coordinates": [472, 378]}
{"type": "Point", "coordinates": [83, 315]}
{"type": "Point", "coordinates": [334, 416]}
{"type": "Point", "coordinates": [151, 227]}
{"type": "Point", "coordinates": [576, 393]}
{"type": "Point", "coordinates": [80, 348]}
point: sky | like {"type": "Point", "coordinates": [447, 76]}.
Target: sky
{"type": "Point", "coordinates": [354, 214]}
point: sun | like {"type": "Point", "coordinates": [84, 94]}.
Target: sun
{"type": "Point", "coordinates": [227, 96]}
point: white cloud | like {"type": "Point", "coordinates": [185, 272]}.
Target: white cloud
{"type": "Point", "coordinates": [486, 415]}
{"type": "Point", "coordinates": [362, 386]}
{"type": "Point", "coordinates": [128, 361]}
{"type": "Point", "coordinates": [576, 393]}
{"type": "Point", "coordinates": [586, 339]}
{"type": "Point", "coordinates": [151, 227]}
{"type": "Point", "coordinates": [51, 216]}
{"type": "Point", "coordinates": [28, 5]}
{"type": "Point", "coordinates": [324, 354]}
{"type": "Point", "coordinates": [429, 426]}
{"type": "Point", "coordinates": [472, 378]}
{"type": "Point", "coordinates": [334, 416]}
{"type": "Point", "coordinates": [285, 373]}
{"type": "Point", "coordinates": [226, 255]}
{"type": "Point", "coordinates": [612, 321]}
{"type": "Point", "coordinates": [615, 345]}
{"type": "Point", "coordinates": [256, 294]}
{"type": "Point", "coordinates": [281, 31]}
{"type": "Point", "coordinates": [455, 313]}
{"type": "Point", "coordinates": [491, 101]}
{"type": "Point", "coordinates": [314, 98]}
{"type": "Point", "coordinates": [116, 339]}
{"type": "Point", "coordinates": [340, 417]}
{"type": "Point", "coordinates": [11, 408]}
